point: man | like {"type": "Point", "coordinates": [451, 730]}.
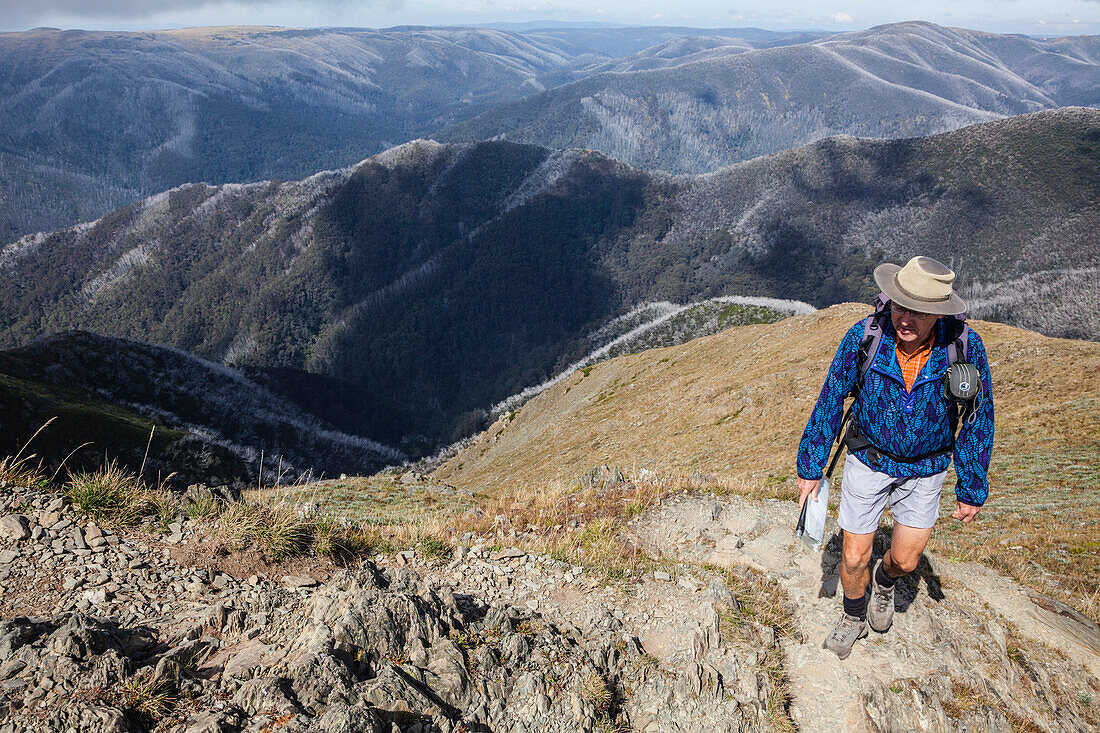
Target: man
{"type": "Point", "coordinates": [902, 410]}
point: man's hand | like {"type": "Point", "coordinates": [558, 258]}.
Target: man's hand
{"type": "Point", "coordinates": [807, 486]}
{"type": "Point", "coordinates": [965, 512]}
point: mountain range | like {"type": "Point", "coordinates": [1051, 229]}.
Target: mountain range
{"type": "Point", "coordinates": [441, 279]}
{"type": "Point", "coordinates": [715, 103]}
{"type": "Point", "coordinates": [91, 121]}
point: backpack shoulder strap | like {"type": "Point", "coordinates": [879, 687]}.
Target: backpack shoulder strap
{"type": "Point", "coordinates": [958, 342]}
{"type": "Point", "coordinates": [872, 337]}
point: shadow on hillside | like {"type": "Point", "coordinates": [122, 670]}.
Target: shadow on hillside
{"type": "Point", "coordinates": [906, 589]}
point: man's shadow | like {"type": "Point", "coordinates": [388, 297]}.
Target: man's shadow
{"type": "Point", "coordinates": [906, 589]}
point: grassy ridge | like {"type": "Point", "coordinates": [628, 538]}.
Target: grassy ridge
{"type": "Point", "coordinates": [732, 407]}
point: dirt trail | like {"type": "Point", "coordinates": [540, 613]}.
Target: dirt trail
{"type": "Point", "coordinates": [959, 625]}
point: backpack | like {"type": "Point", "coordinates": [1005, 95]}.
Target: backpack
{"type": "Point", "coordinates": [962, 385]}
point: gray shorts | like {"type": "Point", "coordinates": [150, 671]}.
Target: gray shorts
{"type": "Point", "coordinates": [914, 501]}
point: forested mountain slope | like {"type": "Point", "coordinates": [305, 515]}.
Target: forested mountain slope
{"type": "Point", "coordinates": [97, 386]}
{"type": "Point", "coordinates": [90, 121]}
{"type": "Point", "coordinates": [441, 279]}
{"type": "Point", "coordinates": [727, 103]}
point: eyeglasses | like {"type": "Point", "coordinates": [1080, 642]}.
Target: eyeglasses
{"type": "Point", "coordinates": [906, 313]}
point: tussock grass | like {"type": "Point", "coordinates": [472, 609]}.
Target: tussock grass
{"type": "Point", "coordinates": [578, 523]}
{"type": "Point", "coordinates": [165, 508]}
{"type": "Point", "coordinates": [286, 530]}
{"type": "Point", "coordinates": [760, 598]}
{"type": "Point", "coordinates": [285, 533]}
{"type": "Point", "coordinates": [202, 509]}
{"type": "Point", "coordinates": [107, 494]}
{"type": "Point", "coordinates": [16, 471]}
{"type": "Point", "coordinates": [966, 697]}
{"type": "Point", "coordinates": [20, 470]}
{"type": "Point", "coordinates": [593, 689]}
{"type": "Point", "coordinates": [146, 698]}
{"type": "Point", "coordinates": [763, 602]}
{"type": "Point", "coordinates": [115, 496]}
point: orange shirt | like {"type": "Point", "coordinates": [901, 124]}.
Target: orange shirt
{"type": "Point", "coordinates": [911, 364]}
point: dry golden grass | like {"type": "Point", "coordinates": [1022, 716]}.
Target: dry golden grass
{"type": "Point", "coordinates": [732, 407]}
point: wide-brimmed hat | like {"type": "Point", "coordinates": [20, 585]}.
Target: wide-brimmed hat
{"type": "Point", "coordinates": [923, 285]}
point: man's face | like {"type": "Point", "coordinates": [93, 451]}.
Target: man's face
{"type": "Point", "coordinates": [913, 328]}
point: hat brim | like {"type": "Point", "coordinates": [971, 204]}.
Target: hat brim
{"type": "Point", "coordinates": [884, 277]}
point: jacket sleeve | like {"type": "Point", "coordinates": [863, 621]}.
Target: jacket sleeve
{"type": "Point", "coordinates": [975, 440]}
{"type": "Point", "coordinates": [824, 423]}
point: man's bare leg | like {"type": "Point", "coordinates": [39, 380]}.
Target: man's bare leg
{"type": "Point", "coordinates": [852, 625]}
{"type": "Point", "coordinates": [901, 559]}
{"type": "Point", "coordinates": [905, 550]}
{"type": "Point", "coordinates": [855, 558]}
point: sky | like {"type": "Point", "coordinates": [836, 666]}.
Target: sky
{"type": "Point", "coordinates": [1034, 17]}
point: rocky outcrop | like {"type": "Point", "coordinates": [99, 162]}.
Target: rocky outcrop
{"type": "Point", "coordinates": [969, 649]}
{"type": "Point", "coordinates": [107, 634]}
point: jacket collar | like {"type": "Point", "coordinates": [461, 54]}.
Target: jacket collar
{"type": "Point", "coordinates": [886, 360]}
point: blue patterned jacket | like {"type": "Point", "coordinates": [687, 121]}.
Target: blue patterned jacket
{"type": "Point", "coordinates": [901, 422]}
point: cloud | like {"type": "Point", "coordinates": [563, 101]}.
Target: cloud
{"type": "Point", "coordinates": [841, 18]}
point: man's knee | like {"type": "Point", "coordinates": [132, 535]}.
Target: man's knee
{"type": "Point", "coordinates": [856, 557]}
{"type": "Point", "coordinates": [903, 563]}
{"type": "Point", "coordinates": [906, 548]}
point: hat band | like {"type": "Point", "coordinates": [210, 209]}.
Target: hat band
{"type": "Point", "coordinates": [921, 298]}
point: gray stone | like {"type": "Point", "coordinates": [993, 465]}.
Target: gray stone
{"type": "Point", "coordinates": [508, 553]}
{"type": "Point", "coordinates": [299, 581]}
{"type": "Point", "coordinates": [343, 718]}
{"type": "Point", "coordinates": [212, 721]}
{"type": "Point", "coordinates": [247, 658]}
{"type": "Point", "coordinates": [15, 527]}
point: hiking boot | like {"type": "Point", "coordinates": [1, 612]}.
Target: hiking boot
{"type": "Point", "coordinates": [844, 635]}
{"type": "Point", "coordinates": [880, 608]}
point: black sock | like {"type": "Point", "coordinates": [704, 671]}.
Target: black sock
{"type": "Point", "coordinates": [883, 578]}
{"type": "Point", "coordinates": [856, 607]}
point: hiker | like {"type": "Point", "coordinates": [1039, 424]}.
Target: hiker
{"type": "Point", "coordinates": [901, 433]}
